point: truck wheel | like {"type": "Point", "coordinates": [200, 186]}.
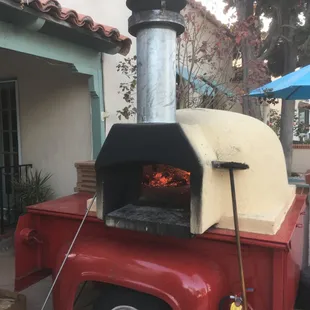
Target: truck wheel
{"type": "Point", "coordinates": [125, 299]}
{"type": "Point", "coordinates": [303, 298]}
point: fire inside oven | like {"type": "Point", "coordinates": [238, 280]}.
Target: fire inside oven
{"type": "Point", "coordinates": [162, 205]}
{"type": "Point", "coordinates": [166, 186]}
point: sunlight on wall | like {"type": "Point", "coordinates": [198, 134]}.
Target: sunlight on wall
{"type": "Point", "coordinates": [217, 7]}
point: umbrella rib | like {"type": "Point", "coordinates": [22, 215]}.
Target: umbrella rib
{"type": "Point", "coordinates": [292, 93]}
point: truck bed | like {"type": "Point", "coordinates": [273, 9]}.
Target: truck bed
{"type": "Point", "coordinates": [74, 207]}
{"type": "Point", "coordinates": [272, 263]}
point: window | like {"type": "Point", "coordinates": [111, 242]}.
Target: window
{"type": "Point", "coordinates": [304, 116]}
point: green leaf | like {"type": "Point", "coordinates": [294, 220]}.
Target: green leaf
{"type": "Point", "coordinates": [33, 188]}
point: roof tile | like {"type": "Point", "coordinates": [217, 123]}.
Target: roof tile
{"type": "Point", "coordinates": [54, 9]}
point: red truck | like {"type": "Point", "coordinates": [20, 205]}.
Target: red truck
{"type": "Point", "coordinates": [163, 249]}
{"type": "Point", "coordinates": [149, 272]}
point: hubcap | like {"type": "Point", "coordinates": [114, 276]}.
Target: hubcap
{"type": "Point", "coordinates": [124, 308]}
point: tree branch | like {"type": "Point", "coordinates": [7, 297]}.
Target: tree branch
{"type": "Point", "coordinates": [273, 43]}
{"type": "Point", "coordinates": [289, 26]}
{"type": "Point", "coordinates": [285, 38]}
{"type": "Point", "coordinates": [270, 42]}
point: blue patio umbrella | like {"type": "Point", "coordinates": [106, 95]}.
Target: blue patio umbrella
{"type": "Point", "coordinates": [293, 86]}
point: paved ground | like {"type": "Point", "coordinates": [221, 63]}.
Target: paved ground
{"type": "Point", "coordinates": [35, 294]}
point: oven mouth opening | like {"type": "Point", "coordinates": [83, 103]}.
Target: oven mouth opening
{"type": "Point", "coordinates": [163, 206]}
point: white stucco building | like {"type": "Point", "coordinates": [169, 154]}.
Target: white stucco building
{"type": "Point", "coordinates": [116, 14]}
{"type": "Point", "coordinates": [59, 83]}
{"type": "Point", "coordinates": [51, 94]}
{"type": "Point", "coordinates": [302, 108]}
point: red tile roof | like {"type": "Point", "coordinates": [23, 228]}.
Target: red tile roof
{"type": "Point", "coordinates": [54, 9]}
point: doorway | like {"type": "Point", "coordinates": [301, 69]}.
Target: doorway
{"type": "Point", "coordinates": [9, 148]}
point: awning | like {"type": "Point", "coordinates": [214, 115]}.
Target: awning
{"type": "Point", "coordinates": [304, 105]}
{"type": "Point", "coordinates": [228, 92]}
{"type": "Point", "coordinates": [204, 85]}
{"type": "Point", "coordinates": [201, 86]}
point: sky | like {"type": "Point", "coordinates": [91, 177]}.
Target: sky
{"type": "Point", "coordinates": [217, 7]}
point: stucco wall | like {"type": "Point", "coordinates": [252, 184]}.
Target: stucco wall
{"type": "Point", "coordinates": [220, 67]}
{"type": "Point", "coordinates": [301, 158]}
{"type": "Point", "coordinates": [217, 69]}
{"type": "Point", "coordinates": [54, 113]}
{"type": "Point", "coordinates": [116, 15]}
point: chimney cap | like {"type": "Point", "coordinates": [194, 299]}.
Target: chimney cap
{"type": "Point", "coordinates": [145, 19]}
{"type": "Point", "coordinates": [147, 5]}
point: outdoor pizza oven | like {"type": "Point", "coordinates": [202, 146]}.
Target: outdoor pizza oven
{"type": "Point", "coordinates": [150, 178]}
{"type": "Point", "coordinates": [157, 176]}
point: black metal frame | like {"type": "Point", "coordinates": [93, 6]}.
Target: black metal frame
{"type": "Point", "coordinates": [7, 174]}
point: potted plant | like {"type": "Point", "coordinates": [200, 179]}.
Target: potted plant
{"type": "Point", "coordinates": [33, 188]}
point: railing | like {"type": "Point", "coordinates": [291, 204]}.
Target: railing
{"type": "Point", "coordinates": [10, 203]}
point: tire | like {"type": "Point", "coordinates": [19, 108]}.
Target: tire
{"type": "Point", "coordinates": [125, 299]}
{"type": "Point", "coordinates": [303, 297]}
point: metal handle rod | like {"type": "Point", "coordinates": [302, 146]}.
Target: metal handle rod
{"type": "Point", "coordinates": [68, 253]}
{"type": "Point", "coordinates": [236, 223]}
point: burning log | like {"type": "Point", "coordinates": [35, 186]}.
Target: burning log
{"type": "Point", "coordinates": [165, 176]}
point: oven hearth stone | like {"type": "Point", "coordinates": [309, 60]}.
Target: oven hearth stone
{"type": "Point", "coordinates": [155, 220]}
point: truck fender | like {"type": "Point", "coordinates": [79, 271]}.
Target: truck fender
{"type": "Point", "coordinates": [180, 278]}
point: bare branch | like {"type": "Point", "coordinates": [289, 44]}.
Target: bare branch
{"type": "Point", "coordinates": [289, 26]}
{"type": "Point", "coordinates": [271, 41]}
{"type": "Point", "coordinates": [285, 38]}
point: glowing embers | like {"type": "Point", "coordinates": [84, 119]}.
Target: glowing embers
{"type": "Point", "coordinates": [162, 205]}
{"type": "Point", "coordinates": [165, 176]}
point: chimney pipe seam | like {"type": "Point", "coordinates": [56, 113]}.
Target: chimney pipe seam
{"type": "Point", "coordinates": [146, 5]}
{"type": "Point", "coordinates": [154, 18]}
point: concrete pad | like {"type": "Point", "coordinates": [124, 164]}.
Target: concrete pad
{"type": "Point", "coordinates": [7, 270]}
{"type": "Point", "coordinates": [35, 294]}
{"type": "Point", "coordinates": [12, 301]}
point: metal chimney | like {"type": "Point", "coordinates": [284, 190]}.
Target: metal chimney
{"type": "Point", "coordinates": [156, 25]}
